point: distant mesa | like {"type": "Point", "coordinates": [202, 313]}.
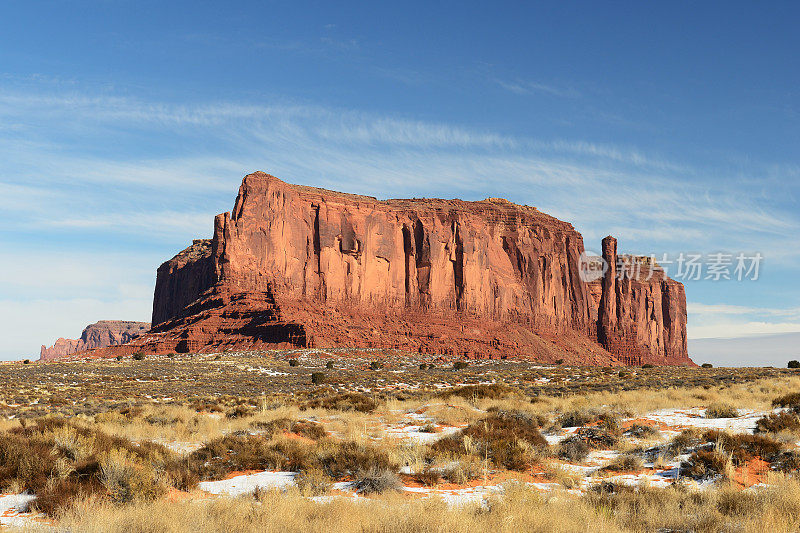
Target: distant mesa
{"type": "Point", "coordinates": [294, 266]}
{"type": "Point", "coordinates": [98, 335]}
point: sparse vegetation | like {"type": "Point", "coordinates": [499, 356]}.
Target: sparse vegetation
{"type": "Point", "coordinates": [350, 401]}
{"type": "Point", "coordinates": [96, 469]}
{"type": "Point", "coordinates": [721, 410]}
{"type": "Point", "coordinates": [777, 422]}
{"type": "Point", "coordinates": [510, 440]}
{"type": "Point", "coordinates": [480, 392]}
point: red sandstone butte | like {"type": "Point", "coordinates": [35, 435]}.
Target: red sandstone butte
{"type": "Point", "coordinates": [295, 266]}
{"type": "Point", "coordinates": [98, 335]}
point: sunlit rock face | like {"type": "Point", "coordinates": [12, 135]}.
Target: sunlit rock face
{"type": "Point", "coordinates": [98, 335]}
{"type": "Point", "coordinates": [300, 266]}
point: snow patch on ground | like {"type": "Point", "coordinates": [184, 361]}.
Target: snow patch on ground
{"type": "Point", "coordinates": [744, 423]}
{"type": "Point", "coordinates": [247, 483]}
{"type": "Point", "coordinates": [14, 510]}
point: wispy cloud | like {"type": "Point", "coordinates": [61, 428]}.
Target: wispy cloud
{"type": "Point", "coordinates": [723, 309]}
{"type": "Point", "coordinates": [79, 167]}
{"type": "Point", "coordinates": [522, 87]}
{"type": "Point", "coordinates": [743, 329]}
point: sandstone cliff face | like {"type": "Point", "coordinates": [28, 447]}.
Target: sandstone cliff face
{"type": "Point", "coordinates": [299, 266]}
{"type": "Point", "coordinates": [62, 348]}
{"type": "Point", "coordinates": [640, 312]}
{"type": "Point", "coordinates": [98, 335]}
{"type": "Point", "coordinates": [490, 259]}
{"type": "Point", "coordinates": [182, 279]}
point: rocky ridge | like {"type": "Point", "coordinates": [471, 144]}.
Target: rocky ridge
{"type": "Point", "coordinates": [98, 335]}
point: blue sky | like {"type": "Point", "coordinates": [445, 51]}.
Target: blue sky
{"type": "Point", "coordinates": [125, 126]}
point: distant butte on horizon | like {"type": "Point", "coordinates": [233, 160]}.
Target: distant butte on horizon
{"type": "Point", "coordinates": [297, 266]}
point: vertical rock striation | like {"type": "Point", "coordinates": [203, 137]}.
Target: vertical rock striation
{"type": "Point", "coordinates": [641, 313]}
{"type": "Point", "coordinates": [300, 266]}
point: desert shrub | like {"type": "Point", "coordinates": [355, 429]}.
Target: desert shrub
{"type": "Point", "coordinates": [128, 481]}
{"type": "Point", "coordinates": [705, 464]}
{"type": "Point", "coordinates": [376, 480]}
{"type": "Point", "coordinates": [430, 427]}
{"type": "Point", "coordinates": [706, 365]}
{"type": "Point", "coordinates": [241, 411]}
{"type": "Point", "coordinates": [687, 438]}
{"type": "Point", "coordinates": [793, 364]}
{"type": "Point", "coordinates": [60, 494]}
{"type": "Point", "coordinates": [742, 446]}
{"type": "Point", "coordinates": [313, 481]}
{"type": "Point", "coordinates": [423, 366]}
{"type": "Point", "coordinates": [624, 463]}
{"type": "Point", "coordinates": [576, 418]}
{"type": "Point", "coordinates": [204, 405]}
{"type": "Point", "coordinates": [642, 431]}
{"type": "Point", "coordinates": [329, 365]}
{"type": "Point", "coordinates": [573, 449]}
{"type": "Point", "coordinates": [788, 461]}
{"type": "Point", "coordinates": [460, 365]}
{"type": "Point", "coordinates": [429, 477]}
{"type": "Point", "coordinates": [597, 438]}
{"type": "Point", "coordinates": [494, 391]}
{"type": "Point", "coordinates": [294, 362]}
{"type": "Point", "coordinates": [348, 401]}
{"type": "Point", "coordinates": [245, 452]}
{"type": "Point", "coordinates": [118, 358]}
{"type": "Point", "coordinates": [462, 471]}
{"type": "Point", "coordinates": [60, 461]}
{"type": "Point", "coordinates": [138, 356]}
{"type": "Point", "coordinates": [775, 422]}
{"type": "Point", "coordinates": [317, 377]}
{"type": "Point", "coordinates": [610, 423]}
{"type": "Point", "coordinates": [308, 429]}
{"type": "Point", "coordinates": [788, 400]}
{"type": "Point", "coordinates": [375, 365]}
{"type": "Point", "coordinates": [26, 362]}
{"type": "Point", "coordinates": [305, 428]}
{"type": "Point", "coordinates": [272, 427]}
{"type": "Point", "coordinates": [509, 439]}
{"type": "Point", "coordinates": [341, 458]}
{"type": "Point", "coordinates": [648, 365]}
{"type": "Point", "coordinates": [721, 410]}
{"type": "Point", "coordinates": [171, 355]}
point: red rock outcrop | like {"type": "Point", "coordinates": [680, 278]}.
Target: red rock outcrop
{"type": "Point", "coordinates": [639, 311]}
{"type": "Point", "coordinates": [300, 266]}
{"type": "Point", "coordinates": [98, 335]}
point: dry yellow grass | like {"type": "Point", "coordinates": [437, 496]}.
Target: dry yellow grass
{"type": "Point", "coordinates": [519, 510]}
{"type": "Point", "coordinates": [774, 509]}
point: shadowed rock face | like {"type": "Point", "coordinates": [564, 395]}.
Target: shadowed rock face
{"type": "Point", "coordinates": [300, 266]}
{"type": "Point", "coordinates": [98, 335]}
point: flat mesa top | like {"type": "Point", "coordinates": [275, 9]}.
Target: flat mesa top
{"type": "Point", "coordinates": [494, 207]}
